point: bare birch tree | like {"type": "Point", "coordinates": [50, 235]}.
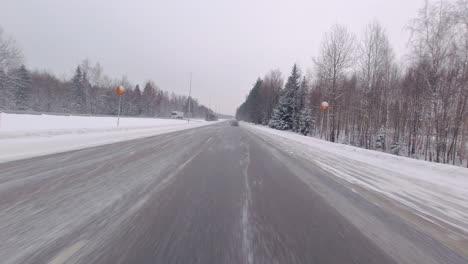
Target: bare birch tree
{"type": "Point", "coordinates": [335, 59]}
{"type": "Point", "coordinates": [375, 66]}
{"type": "Point", "coordinates": [10, 60]}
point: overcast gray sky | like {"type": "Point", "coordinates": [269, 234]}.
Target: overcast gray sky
{"type": "Point", "coordinates": [226, 44]}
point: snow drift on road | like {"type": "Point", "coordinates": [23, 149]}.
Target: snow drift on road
{"type": "Point", "coordinates": [24, 135]}
{"type": "Point", "coordinates": [436, 192]}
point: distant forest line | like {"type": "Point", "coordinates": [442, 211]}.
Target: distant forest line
{"type": "Point", "coordinates": [88, 91]}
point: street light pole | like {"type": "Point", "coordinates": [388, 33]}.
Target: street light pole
{"type": "Point", "coordinates": [190, 99]}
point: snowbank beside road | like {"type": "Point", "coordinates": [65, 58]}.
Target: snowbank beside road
{"type": "Point", "coordinates": [24, 136]}
{"type": "Point", "coordinates": [436, 192]}
{"type": "Point", "coordinates": [27, 122]}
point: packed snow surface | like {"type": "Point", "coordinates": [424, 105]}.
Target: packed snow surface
{"type": "Point", "coordinates": [34, 123]}
{"type": "Point", "coordinates": [436, 192]}
{"type": "Point", "coordinates": [24, 135]}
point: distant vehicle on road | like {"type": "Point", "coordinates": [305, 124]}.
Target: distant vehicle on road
{"type": "Point", "coordinates": [177, 115]}
{"type": "Point", "coordinates": [211, 117]}
{"type": "Point", "coordinates": [234, 123]}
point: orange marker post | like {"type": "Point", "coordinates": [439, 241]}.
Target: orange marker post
{"type": "Point", "coordinates": [120, 91]}
{"type": "Point", "coordinates": [324, 106]}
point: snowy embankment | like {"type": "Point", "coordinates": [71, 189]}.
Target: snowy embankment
{"type": "Point", "coordinates": [24, 136]}
{"type": "Point", "coordinates": [436, 192]}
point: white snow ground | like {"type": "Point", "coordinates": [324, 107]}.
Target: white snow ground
{"type": "Point", "coordinates": [436, 192]}
{"type": "Point", "coordinates": [24, 136]}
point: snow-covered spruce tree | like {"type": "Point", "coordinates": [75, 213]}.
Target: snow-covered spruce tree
{"type": "Point", "coordinates": [395, 148]}
{"type": "Point", "coordinates": [281, 118]}
{"type": "Point", "coordinates": [270, 93]}
{"type": "Point", "coordinates": [134, 97]}
{"type": "Point", "coordinates": [380, 140]}
{"type": "Point", "coordinates": [299, 104]}
{"type": "Point", "coordinates": [88, 92]}
{"type": "Point", "coordinates": [254, 103]}
{"type": "Point", "coordinates": [78, 102]}
{"type": "Point", "coordinates": [305, 122]}
{"type": "Point", "coordinates": [22, 86]}
{"type": "Point", "coordinates": [7, 96]}
{"type": "Point", "coordinates": [284, 113]}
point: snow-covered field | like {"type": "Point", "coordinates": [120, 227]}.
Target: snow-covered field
{"type": "Point", "coordinates": [23, 135]}
{"type": "Point", "coordinates": [436, 192]}
{"type": "Point", "coordinates": [19, 124]}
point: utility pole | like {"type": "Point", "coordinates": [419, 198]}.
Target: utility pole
{"type": "Point", "coordinates": [190, 99]}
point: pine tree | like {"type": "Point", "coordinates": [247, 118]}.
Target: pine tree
{"type": "Point", "coordinates": [305, 122]}
{"type": "Point", "coordinates": [380, 140]}
{"type": "Point", "coordinates": [148, 99]}
{"type": "Point", "coordinates": [78, 102]}
{"type": "Point", "coordinates": [88, 92]}
{"type": "Point", "coordinates": [7, 97]}
{"type": "Point", "coordinates": [286, 111]}
{"type": "Point", "coordinates": [22, 88]}
{"type": "Point", "coordinates": [395, 148]}
{"type": "Point", "coordinates": [254, 104]}
{"type": "Point", "coordinates": [282, 118]}
{"type": "Point", "coordinates": [300, 99]}
{"type": "Point", "coordinates": [136, 100]}
{"type": "Point", "coordinates": [252, 109]}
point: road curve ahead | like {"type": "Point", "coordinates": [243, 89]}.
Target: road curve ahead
{"type": "Point", "coordinates": [215, 194]}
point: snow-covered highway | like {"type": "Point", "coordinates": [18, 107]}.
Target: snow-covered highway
{"type": "Point", "coordinates": [221, 194]}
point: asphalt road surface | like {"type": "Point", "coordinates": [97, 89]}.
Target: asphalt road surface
{"type": "Point", "coordinates": [215, 194]}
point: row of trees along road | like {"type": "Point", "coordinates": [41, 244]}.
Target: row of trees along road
{"type": "Point", "coordinates": [89, 91]}
{"type": "Point", "coordinates": [416, 109]}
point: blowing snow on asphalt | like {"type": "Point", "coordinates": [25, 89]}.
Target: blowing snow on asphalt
{"type": "Point", "coordinates": [213, 194]}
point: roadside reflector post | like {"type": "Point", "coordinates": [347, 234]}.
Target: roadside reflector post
{"type": "Point", "coordinates": [120, 91]}
{"type": "Point", "coordinates": [324, 107]}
